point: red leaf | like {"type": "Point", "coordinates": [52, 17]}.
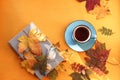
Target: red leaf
{"type": "Point", "coordinates": [81, 0]}
{"type": "Point", "coordinates": [90, 4]}
{"type": "Point", "coordinates": [97, 58]}
{"type": "Point", "coordinates": [76, 67]}
{"type": "Point", "coordinates": [97, 2]}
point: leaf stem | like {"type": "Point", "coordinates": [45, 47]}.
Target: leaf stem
{"type": "Point", "coordinates": [113, 63]}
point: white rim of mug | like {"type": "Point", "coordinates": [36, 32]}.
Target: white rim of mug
{"type": "Point", "coordinates": [84, 26]}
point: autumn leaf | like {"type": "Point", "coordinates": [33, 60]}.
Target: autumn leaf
{"type": "Point", "coordinates": [24, 65]}
{"type": "Point", "coordinates": [36, 33]}
{"type": "Point", "coordinates": [28, 64]}
{"type": "Point", "coordinates": [41, 58]}
{"type": "Point", "coordinates": [97, 58]}
{"type": "Point", "coordinates": [42, 37]}
{"type": "Point", "coordinates": [41, 65]}
{"type": "Point", "coordinates": [29, 55]}
{"type": "Point", "coordinates": [60, 67]}
{"type": "Point", "coordinates": [31, 41]}
{"type": "Point", "coordinates": [101, 11]}
{"type": "Point", "coordinates": [97, 7]}
{"type": "Point", "coordinates": [29, 60]}
{"type": "Point", "coordinates": [80, 71]}
{"type": "Point", "coordinates": [23, 44]}
{"type": "Point", "coordinates": [23, 39]}
{"type": "Point", "coordinates": [105, 31]}
{"type": "Point", "coordinates": [67, 54]}
{"type": "Point", "coordinates": [33, 58]}
{"type": "Point", "coordinates": [77, 67]}
{"type": "Point", "coordinates": [90, 4]}
{"type": "Point", "coordinates": [81, 0]}
{"type": "Point", "coordinates": [76, 76]}
{"type": "Point", "coordinates": [57, 45]}
{"type": "Point", "coordinates": [53, 74]}
{"type": "Point", "coordinates": [34, 46]}
{"type": "Point", "coordinates": [34, 38]}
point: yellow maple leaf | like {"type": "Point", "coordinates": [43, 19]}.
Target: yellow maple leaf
{"type": "Point", "coordinates": [32, 41]}
{"type": "Point", "coordinates": [100, 11]}
{"type": "Point", "coordinates": [71, 57]}
{"type": "Point", "coordinates": [35, 36]}
{"type": "Point", "coordinates": [23, 44]}
{"type": "Point", "coordinates": [36, 33]}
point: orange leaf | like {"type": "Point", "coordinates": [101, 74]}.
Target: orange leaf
{"type": "Point", "coordinates": [34, 46]}
{"type": "Point", "coordinates": [29, 62]}
{"type": "Point", "coordinates": [21, 47]}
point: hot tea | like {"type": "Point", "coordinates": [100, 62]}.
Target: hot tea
{"type": "Point", "coordinates": [81, 33]}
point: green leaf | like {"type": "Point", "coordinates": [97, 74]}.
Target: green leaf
{"type": "Point", "coordinates": [40, 58]}
{"type": "Point", "coordinates": [53, 74]}
{"type": "Point", "coordinates": [76, 76]}
{"type": "Point", "coordinates": [105, 31]}
{"type": "Point", "coordinates": [79, 76]}
{"type": "Point", "coordinates": [86, 76]}
{"type": "Point", "coordinates": [41, 65]}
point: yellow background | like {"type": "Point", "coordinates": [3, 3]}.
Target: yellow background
{"type": "Point", "coordinates": [52, 17]}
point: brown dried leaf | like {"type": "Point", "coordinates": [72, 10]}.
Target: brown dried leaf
{"type": "Point", "coordinates": [57, 45]}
